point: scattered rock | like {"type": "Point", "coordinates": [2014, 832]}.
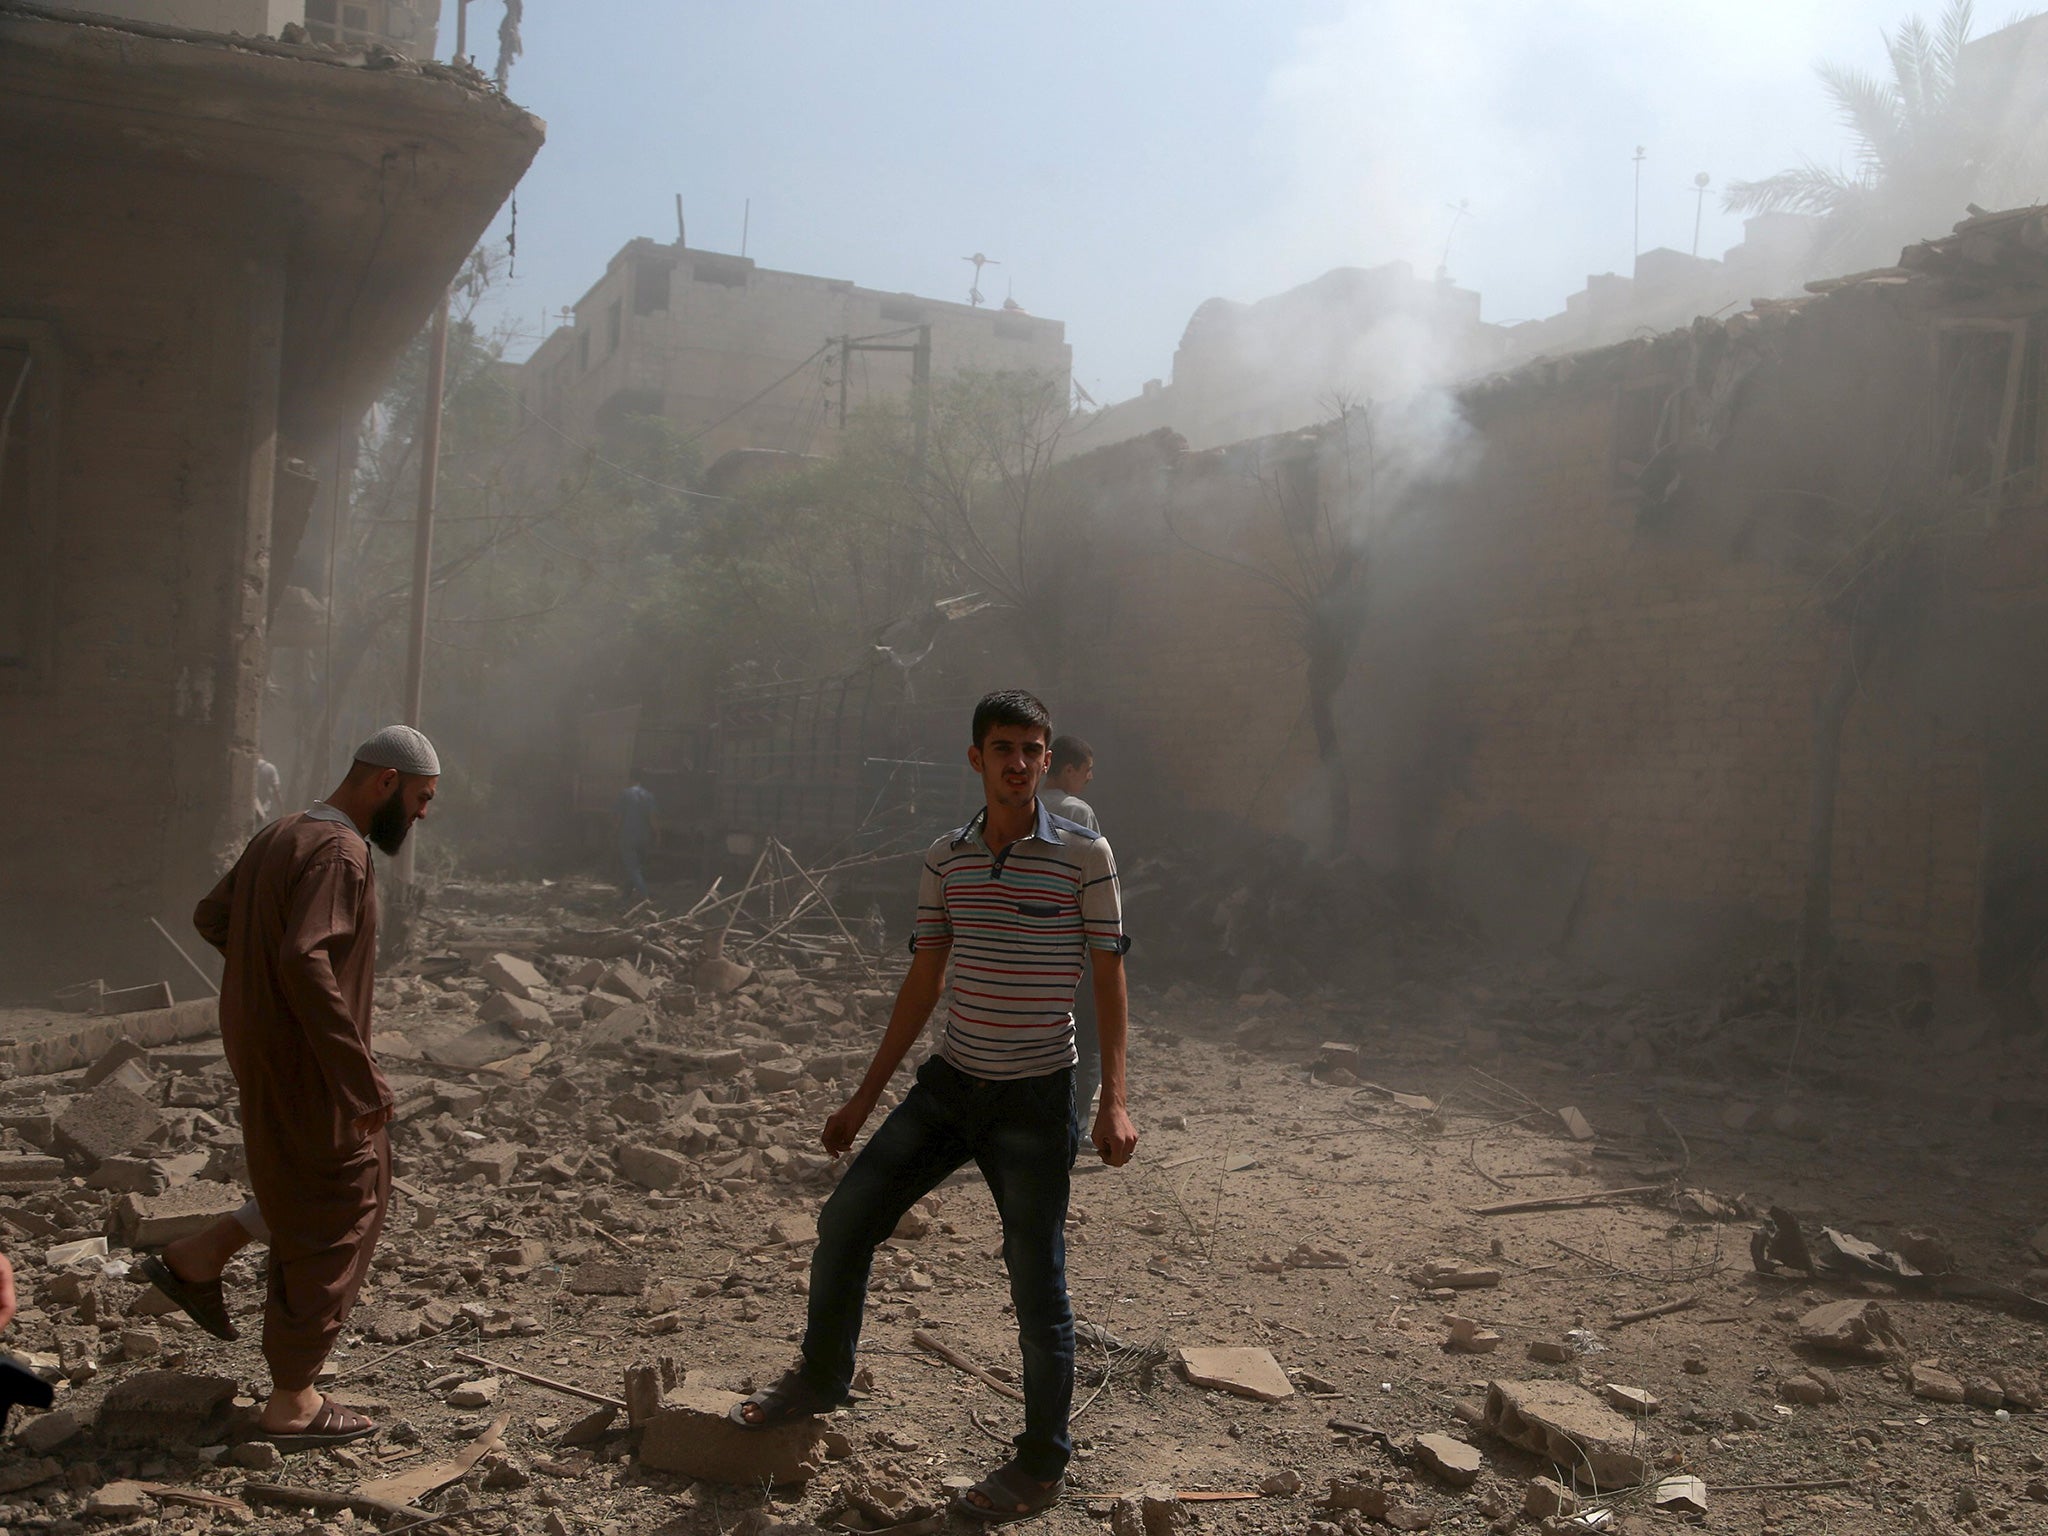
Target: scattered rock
{"type": "Point", "coordinates": [1861, 1329]}
{"type": "Point", "coordinates": [1449, 1458]}
{"type": "Point", "coordinates": [509, 973]}
{"type": "Point", "coordinates": [1567, 1425]}
{"type": "Point", "coordinates": [1252, 1373]}
{"type": "Point", "coordinates": [691, 1434]}
{"type": "Point", "coordinates": [1546, 1497]}
{"type": "Point", "coordinates": [1936, 1385]}
{"type": "Point", "coordinates": [480, 1393]}
{"type": "Point", "coordinates": [602, 1277]}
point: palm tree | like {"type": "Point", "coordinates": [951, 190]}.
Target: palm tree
{"type": "Point", "coordinates": [1919, 146]}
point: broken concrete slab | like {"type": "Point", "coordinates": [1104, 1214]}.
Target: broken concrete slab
{"type": "Point", "coordinates": [1936, 1385]}
{"type": "Point", "coordinates": [1452, 1275]}
{"type": "Point", "coordinates": [495, 1162]}
{"type": "Point", "coordinates": [1450, 1459]}
{"type": "Point", "coordinates": [112, 1059]}
{"type": "Point", "coordinates": [150, 1221]}
{"type": "Point", "coordinates": [1568, 1426]}
{"type": "Point", "coordinates": [623, 980]}
{"type": "Point", "coordinates": [105, 1123]}
{"type": "Point", "coordinates": [1861, 1329]}
{"type": "Point", "coordinates": [601, 1277]}
{"type": "Point", "coordinates": [25, 1173]}
{"type": "Point", "coordinates": [653, 1168]}
{"type": "Point", "coordinates": [166, 1407]}
{"type": "Point", "coordinates": [691, 1434]}
{"type": "Point", "coordinates": [47, 1431]}
{"type": "Point", "coordinates": [1633, 1401]}
{"type": "Point", "coordinates": [509, 973]}
{"type": "Point", "coordinates": [28, 1473]}
{"type": "Point", "coordinates": [1681, 1494]}
{"type": "Point", "coordinates": [1247, 1372]}
{"type": "Point", "coordinates": [1468, 1337]}
{"type": "Point", "coordinates": [1576, 1125]}
{"type": "Point", "coordinates": [499, 1009]}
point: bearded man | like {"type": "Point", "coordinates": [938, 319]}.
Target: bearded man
{"type": "Point", "coordinates": [296, 920]}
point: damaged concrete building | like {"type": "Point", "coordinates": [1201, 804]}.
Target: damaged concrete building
{"type": "Point", "coordinates": [744, 359]}
{"type": "Point", "coordinates": [1685, 635]}
{"type": "Point", "coordinates": [222, 246]}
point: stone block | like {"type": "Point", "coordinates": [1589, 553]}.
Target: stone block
{"type": "Point", "coordinates": [652, 1167]}
{"type": "Point", "coordinates": [509, 973]}
{"type": "Point", "coordinates": [105, 1123]}
{"type": "Point", "coordinates": [44, 1432]}
{"type": "Point", "coordinates": [166, 1407]}
{"type": "Point", "coordinates": [601, 1277]}
{"type": "Point", "coordinates": [497, 1161]}
{"type": "Point", "coordinates": [22, 1174]}
{"type": "Point", "coordinates": [1252, 1373]}
{"type": "Point", "coordinates": [150, 1221]}
{"type": "Point", "coordinates": [1449, 1458]}
{"type": "Point", "coordinates": [1568, 1426]}
{"type": "Point", "coordinates": [691, 1434]}
{"type": "Point", "coordinates": [509, 1008]}
{"type": "Point", "coordinates": [622, 980]}
{"type": "Point", "coordinates": [774, 1076]}
{"type": "Point", "coordinates": [129, 1176]}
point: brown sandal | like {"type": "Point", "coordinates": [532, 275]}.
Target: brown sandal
{"type": "Point", "coordinates": [331, 1424]}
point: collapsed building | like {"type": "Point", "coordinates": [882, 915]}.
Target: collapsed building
{"type": "Point", "coordinates": [234, 240]}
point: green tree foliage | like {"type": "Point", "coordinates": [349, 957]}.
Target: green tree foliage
{"type": "Point", "coordinates": [1919, 147]}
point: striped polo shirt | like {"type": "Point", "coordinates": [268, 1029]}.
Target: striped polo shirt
{"type": "Point", "coordinates": [1020, 924]}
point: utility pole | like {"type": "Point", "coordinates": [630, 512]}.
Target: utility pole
{"type": "Point", "coordinates": [461, 29]}
{"type": "Point", "coordinates": [1636, 235]}
{"type": "Point", "coordinates": [1699, 207]}
{"type": "Point", "coordinates": [423, 540]}
{"type": "Point", "coordinates": [845, 367]}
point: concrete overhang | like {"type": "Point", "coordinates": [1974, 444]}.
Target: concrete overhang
{"type": "Point", "coordinates": [383, 171]}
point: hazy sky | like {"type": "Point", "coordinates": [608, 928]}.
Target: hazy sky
{"type": "Point", "coordinates": [1127, 159]}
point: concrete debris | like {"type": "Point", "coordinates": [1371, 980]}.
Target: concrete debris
{"type": "Point", "coordinates": [150, 1221]}
{"type": "Point", "coordinates": [1545, 1497]}
{"type": "Point", "coordinates": [1860, 1329]}
{"type": "Point", "coordinates": [106, 1122]}
{"type": "Point", "coordinates": [166, 1407]}
{"type": "Point", "coordinates": [1680, 1495]}
{"type": "Point", "coordinates": [691, 1434]}
{"type": "Point", "coordinates": [1153, 1510]}
{"type": "Point", "coordinates": [1467, 1337]}
{"type": "Point", "coordinates": [1452, 1275]}
{"type": "Point", "coordinates": [509, 973]}
{"type": "Point", "coordinates": [1576, 1125]}
{"type": "Point", "coordinates": [1931, 1382]}
{"type": "Point", "coordinates": [1450, 1459]}
{"type": "Point", "coordinates": [1252, 1373]}
{"type": "Point", "coordinates": [1284, 1484]}
{"type": "Point", "coordinates": [1633, 1401]}
{"type": "Point", "coordinates": [1568, 1426]}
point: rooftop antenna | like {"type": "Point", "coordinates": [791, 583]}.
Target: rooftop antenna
{"type": "Point", "coordinates": [1699, 208]}
{"type": "Point", "coordinates": [974, 296]}
{"type": "Point", "coordinates": [680, 241]}
{"type": "Point", "coordinates": [1636, 235]}
{"type": "Point", "coordinates": [1458, 209]}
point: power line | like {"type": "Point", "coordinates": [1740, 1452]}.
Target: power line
{"type": "Point", "coordinates": [635, 474]}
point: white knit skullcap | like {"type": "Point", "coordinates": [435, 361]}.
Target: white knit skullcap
{"type": "Point", "coordinates": [403, 748]}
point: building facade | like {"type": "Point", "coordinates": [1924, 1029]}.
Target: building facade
{"type": "Point", "coordinates": [737, 356]}
{"type": "Point", "coordinates": [183, 331]}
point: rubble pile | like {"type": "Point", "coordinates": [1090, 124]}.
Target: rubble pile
{"type": "Point", "coordinates": [1427, 1255]}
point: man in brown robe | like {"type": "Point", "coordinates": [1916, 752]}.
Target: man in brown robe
{"type": "Point", "coordinates": [296, 919]}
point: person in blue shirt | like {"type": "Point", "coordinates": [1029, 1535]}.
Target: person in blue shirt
{"type": "Point", "coordinates": [638, 831]}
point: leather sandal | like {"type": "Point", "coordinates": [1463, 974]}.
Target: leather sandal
{"type": "Point", "coordinates": [790, 1398]}
{"type": "Point", "coordinates": [1012, 1494]}
{"type": "Point", "coordinates": [331, 1424]}
{"type": "Point", "coordinates": [201, 1300]}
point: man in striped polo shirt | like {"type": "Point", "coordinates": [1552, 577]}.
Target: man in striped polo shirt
{"type": "Point", "coordinates": [1023, 902]}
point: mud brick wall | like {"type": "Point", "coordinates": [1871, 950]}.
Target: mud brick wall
{"type": "Point", "coordinates": [1533, 655]}
{"type": "Point", "coordinates": [157, 301]}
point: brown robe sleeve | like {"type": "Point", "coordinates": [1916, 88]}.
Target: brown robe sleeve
{"type": "Point", "coordinates": [326, 899]}
{"type": "Point", "coordinates": [210, 917]}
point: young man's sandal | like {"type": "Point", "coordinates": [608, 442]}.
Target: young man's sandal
{"type": "Point", "coordinates": [791, 1398]}
{"type": "Point", "coordinates": [1012, 1495]}
{"type": "Point", "coordinates": [331, 1424]}
{"type": "Point", "coordinates": [201, 1300]}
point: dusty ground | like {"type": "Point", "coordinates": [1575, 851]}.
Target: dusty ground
{"type": "Point", "coordinates": [1246, 1155]}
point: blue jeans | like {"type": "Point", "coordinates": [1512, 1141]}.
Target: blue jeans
{"type": "Point", "coordinates": [1088, 1046]}
{"type": "Point", "coordinates": [630, 850]}
{"type": "Point", "coordinates": [1020, 1134]}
